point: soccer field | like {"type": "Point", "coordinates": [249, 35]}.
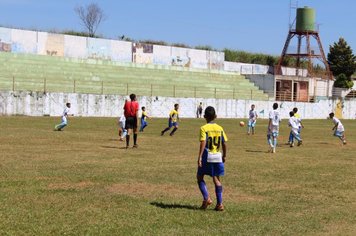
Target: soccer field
{"type": "Point", "coordinates": [81, 181]}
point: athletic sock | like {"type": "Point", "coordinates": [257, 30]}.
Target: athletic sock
{"type": "Point", "coordinates": [203, 189]}
{"type": "Point", "coordinates": [135, 139]}
{"type": "Point", "coordinates": [218, 192]}
{"type": "Point", "coordinates": [127, 140]}
{"type": "Point", "coordinates": [166, 129]}
{"type": "Point", "coordinates": [174, 130]}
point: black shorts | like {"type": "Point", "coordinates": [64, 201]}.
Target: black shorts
{"type": "Point", "coordinates": [131, 122]}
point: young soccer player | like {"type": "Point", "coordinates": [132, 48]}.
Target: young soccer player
{"type": "Point", "coordinates": [131, 115]}
{"type": "Point", "coordinates": [338, 128]}
{"type": "Point", "coordinates": [299, 123]}
{"type": "Point", "coordinates": [122, 130]}
{"type": "Point", "coordinates": [199, 110]}
{"type": "Point", "coordinates": [252, 120]}
{"type": "Point", "coordinates": [143, 119]}
{"type": "Point", "coordinates": [294, 124]}
{"type": "Point", "coordinates": [210, 159]}
{"type": "Point", "coordinates": [172, 121]}
{"type": "Point", "coordinates": [273, 128]}
{"type": "Point", "coordinates": [65, 115]}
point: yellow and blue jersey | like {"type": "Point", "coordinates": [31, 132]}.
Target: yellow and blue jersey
{"type": "Point", "coordinates": [173, 116]}
{"type": "Point", "coordinates": [214, 136]}
{"type": "Point", "coordinates": [144, 115]}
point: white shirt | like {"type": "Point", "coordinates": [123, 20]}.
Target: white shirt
{"type": "Point", "coordinates": [275, 118]}
{"type": "Point", "coordinates": [122, 121]}
{"type": "Point", "coordinates": [340, 127]}
{"type": "Point", "coordinates": [294, 123]}
{"type": "Point", "coordinates": [252, 115]}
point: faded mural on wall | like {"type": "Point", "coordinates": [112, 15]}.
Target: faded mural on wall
{"type": "Point", "coordinates": [142, 53]}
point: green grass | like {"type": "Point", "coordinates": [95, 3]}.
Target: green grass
{"type": "Point", "coordinates": [81, 182]}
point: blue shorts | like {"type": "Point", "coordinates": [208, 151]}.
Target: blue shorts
{"type": "Point", "coordinates": [251, 123]}
{"type": "Point", "coordinates": [339, 133]}
{"type": "Point", "coordinates": [212, 169]}
{"type": "Point", "coordinates": [171, 124]}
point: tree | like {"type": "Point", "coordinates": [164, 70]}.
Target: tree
{"type": "Point", "coordinates": [342, 60]}
{"type": "Point", "coordinates": [343, 82]}
{"type": "Point", "coordinates": [91, 16]}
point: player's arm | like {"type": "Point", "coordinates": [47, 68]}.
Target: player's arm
{"type": "Point", "coordinates": [269, 124]}
{"type": "Point", "coordinates": [201, 150]}
{"type": "Point", "coordinates": [335, 126]}
{"type": "Point", "coordinates": [224, 148]}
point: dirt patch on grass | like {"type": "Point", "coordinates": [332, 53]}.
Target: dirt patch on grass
{"type": "Point", "coordinates": [147, 190]}
{"type": "Point", "coordinates": [66, 186]}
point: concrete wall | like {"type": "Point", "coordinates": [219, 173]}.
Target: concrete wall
{"type": "Point", "coordinates": [43, 43]}
{"type": "Point", "coordinates": [264, 82]}
{"type": "Point", "coordinates": [52, 104]}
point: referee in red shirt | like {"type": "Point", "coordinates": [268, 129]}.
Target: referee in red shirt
{"type": "Point", "coordinates": [131, 114]}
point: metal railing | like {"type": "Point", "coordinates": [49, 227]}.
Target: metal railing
{"type": "Point", "coordinates": [142, 89]}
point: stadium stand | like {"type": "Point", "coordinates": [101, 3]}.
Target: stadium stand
{"type": "Point", "coordinates": [26, 72]}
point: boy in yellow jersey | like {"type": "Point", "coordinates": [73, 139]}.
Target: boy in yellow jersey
{"type": "Point", "coordinates": [172, 121]}
{"type": "Point", "coordinates": [144, 116]}
{"type": "Point", "coordinates": [211, 160]}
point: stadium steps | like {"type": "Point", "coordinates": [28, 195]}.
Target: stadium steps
{"type": "Point", "coordinates": [95, 76]}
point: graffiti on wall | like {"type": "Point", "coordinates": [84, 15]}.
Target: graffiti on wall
{"type": "Point", "coordinates": [5, 47]}
{"type": "Point", "coordinates": [55, 45]}
{"type": "Point", "coordinates": [142, 53]}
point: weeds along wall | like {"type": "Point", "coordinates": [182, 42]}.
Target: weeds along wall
{"type": "Point", "coordinates": [90, 105]}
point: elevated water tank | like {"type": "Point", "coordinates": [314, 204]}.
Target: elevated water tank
{"type": "Point", "coordinates": [305, 19]}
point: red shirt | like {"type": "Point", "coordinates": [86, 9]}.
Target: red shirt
{"type": "Point", "coordinates": [131, 108]}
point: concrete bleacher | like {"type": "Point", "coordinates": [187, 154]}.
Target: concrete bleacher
{"type": "Point", "coordinates": [57, 74]}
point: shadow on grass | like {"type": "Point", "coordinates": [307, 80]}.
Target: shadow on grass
{"type": "Point", "coordinates": [110, 147]}
{"type": "Point", "coordinates": [255, 151]}
{"type": "Point", "coordinates": [173, 206]}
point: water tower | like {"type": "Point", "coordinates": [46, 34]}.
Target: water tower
{"type": "Point", "coordinates": [304, 47]}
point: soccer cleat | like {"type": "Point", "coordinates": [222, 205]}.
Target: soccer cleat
{"type": "Point", "coordinates": [219, 207]}
{"type": "Point", "coordinates": [300, 142]}
{"type": "Point", "coordinates": [292, 144]}
{"type": "Point", "coordinates": [206, 203]}
{"type": "Point", "coordinates": [135, 146]}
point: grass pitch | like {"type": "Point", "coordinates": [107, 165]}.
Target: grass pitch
{"type": "Point", "coordinates": [82, 182]}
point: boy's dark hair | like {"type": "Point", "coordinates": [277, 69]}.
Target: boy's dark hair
{"type": "Point", "coordinates": [68, 103]}
{"type": "Point", "coordinates": [209, 113]}
{"type": "Point", "coordinates": [295, 110]}
{"type": "Point", "coordinates": [331, 114]}
{"type": "Point", "coordinates": [175, 105]}
{"type": "Point", "coordinates": [143, 108]}
{"type": "Point", "coordinates": [275, 106]}
{"type": "Point", "coordinates": [132, 96]}
{"type": "Point", "coordinates": [291, 113]}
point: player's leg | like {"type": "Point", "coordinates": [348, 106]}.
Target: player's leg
{"type": "Point", "coordinates": [168, 128]}
{"type": "Point", "coordinates": [290, 140]}
{"type": "Point", "coordinates": [253, 127]}
{"type": "Point", "coordinates": [135, 133]}
{"type": "Point", "coordinates": [248, 128]}
{"type": "Point", "coordinates": [129, 132]}
{"type": "Point", "coordinates": [175, 125]}
{"type": "Point", "coordinates": [275, 136]}
{"type": "Point", "coordinates": [204, 191]}
{"type": "Point", "coordinates": [269, 141]}
{"type": "Point", "coordinates": [219, 193]}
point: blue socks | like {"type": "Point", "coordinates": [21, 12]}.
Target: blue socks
{"type": "Point", "coordinates": [203, 189]}
{"type": "Point", "coordinates": [218, 192]}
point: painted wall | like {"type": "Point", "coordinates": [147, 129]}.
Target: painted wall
{"type": "Point", "coordinates": [43, 43]}
{"type": "Point", "coordinates": [52, 104]}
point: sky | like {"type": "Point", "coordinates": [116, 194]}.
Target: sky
{"type": "Point", "coordinates": [258, 26]}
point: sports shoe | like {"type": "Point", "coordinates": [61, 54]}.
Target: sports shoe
{"type": "Point", "coordinates": [162, 133]}
{"type": "Point", "coordinates": [135, 146]}
{"type": "Point", "coordinates": [219, 207]}
{"type": "Point", "coordinates": [273, 150]}
{"type": "Point", "coordinates": [292, 145]}
{"type": "Point", "coordinates": [300, 142]}
{"type": "Point", "coordinates": [206, 203]}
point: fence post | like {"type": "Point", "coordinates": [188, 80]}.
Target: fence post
{"type": "Point", "coordinates": [74, 89]}
{"type": "Point", "coordinates": [233, 93]}
{"type": "Point", "coordinates": [215, 93]}
{"type": "Point", "coordinates": [251, 94]}
{"type": "Point", "coordinates": [174, 91]}
{"type": "Point", "coordinates": [13, 83]}
{"type": "Point", "coordinates": [151, 90]}
{"type": "Point", "coordinates": [102, 87]}
{"type": "Point", "coordinates": [44, 85]}
{"type": "Point", "coordinates": [195, 92]}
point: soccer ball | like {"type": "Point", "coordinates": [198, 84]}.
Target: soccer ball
{"type": "Point", "coordinates": [242, 124]}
